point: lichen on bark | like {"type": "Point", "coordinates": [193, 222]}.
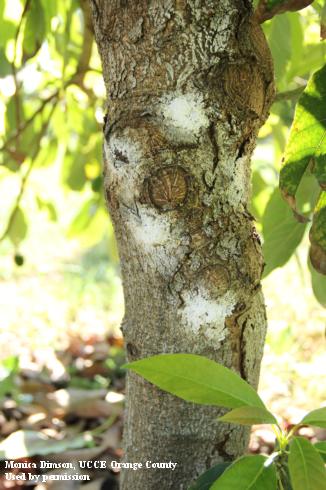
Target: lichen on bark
{"type": "Point", "coordinates": [189, 84]}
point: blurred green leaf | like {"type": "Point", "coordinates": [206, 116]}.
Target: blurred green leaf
{"type": "Point", "coordinates": [307, 194]}
{"type": "Point", "coordinates": [97, 184]}
{"type": "Point", "coordinates": [10, 364]}
{"type": "Point", "coordinates": [280, 44]}
{"type": "Point", "coordinates": [50, 10]}
{"type": "Point", "coordinates": [10, 118]}
{"type": "Point", "coordinates": [18, 229]}
{"type": "Point", "coordinates": [8, 28]}
{"type": "Point", "coordinates": [35, 31]}
{"type": "Point", "coordinates": [312, 58]}
{"type": "Point", "coordinates": [47, 206]}
{"type": "Point", "coordinates": [205, 481]}
{"type": "Point", "coordinates": [318, 284]}
{"type": "Point", "coordinates": [316, 417]}
{"type": "Point", "coordinates": [297, 43]}
{"type": "Point", "coordinates": [281, 231]}
{"type": "Point", "coordinates": [48, 152]}
{"type": "Point", "coordinates": [307, 471]}
{"type": "Point", "coordinates": [73, 172]}
{"type": "Point", "coordinates": [84, 217]}
{"type": "Point", "coordinates": [5, 66]}
{"type": "Point", "coordinates": [317, 236]}
{"type": "Point", "coordinates": [8, 370]}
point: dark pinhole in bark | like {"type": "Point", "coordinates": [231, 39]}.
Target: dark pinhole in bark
{"type": "Point", "coordinates": [132, 350]}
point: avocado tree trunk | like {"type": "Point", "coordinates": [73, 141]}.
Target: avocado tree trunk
{"type": "Point", "coordinates": [189, 83]}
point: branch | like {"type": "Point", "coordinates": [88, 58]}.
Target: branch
{"type": "Point", "coordinates": [96, 8]}
{"type": "Point", "coordinates": [13, 65]}
{"type": "Point", "coordinates": [28, 121]}
{"type": "Point", "coordinates": [264, 12]}
{"type": "Point", "coordinates": [25, 177]}
{"type": "Point", "coordinates": [323, 23]}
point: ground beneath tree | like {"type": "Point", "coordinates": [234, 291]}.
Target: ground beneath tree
{"type": "Point", "coordinates": [68, 407]}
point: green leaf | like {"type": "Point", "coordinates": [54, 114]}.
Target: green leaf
{"type": "Point", "coordinates": [8, 370]}
{"type": "Point", "coordinates": [297, 44]}
{"type": "Point", "coordinates": [249, 416]}
{"type": "Point", "coordinates": [307, 141]}
{"type": "Point", "coordinates": [281, 231]}
{"type": "Point", "coordinates": [197, 379]}
{"type": "Point", "coordinates": [5, 66]}
{"type": "Point", "coordinates": [205, 481]}
{"type": "Point", "coordinates": [248, 473]}
{"type": "Point", "coordinates": [18, 229]}
{"type": "Point", "coordinates": [47, 206]}
{"type": "Point", "coordinates": [318, 284]}
{"type": "Point", "coordinates": [321, 448]}
{"type": "Point", "coordinates": [83, 218]}
{"type": "Point", "coordinates": [11, 364]}
{"type": "Point", "coordinates": [306, 466]}
{"type": "Point", "coordinates": [50, 10]}
{"type": "Point", "coordinates": [8, 31]}
{"type": "Point", "coordinates": [34, 32]}
{"type": "Point", "coordinates": [280, 44]}
{"type": "Point", "coordinates": [48, 153]}
{"type": "Point", "coordinates": [316, 417]}
{"type": "Point", "coordinates": [27, 443]}
{"type": "Point", "coordinates": [73, 171]}
{"type": "Point", "coordinates": [317, 236]}
{"type": "Point", "coordinates": [312, 58]}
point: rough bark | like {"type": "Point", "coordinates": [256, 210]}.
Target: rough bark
{"type": "Point", "coordinates": [189, 83]}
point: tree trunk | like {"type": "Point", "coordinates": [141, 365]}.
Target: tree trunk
{"type": "Point", "coordinates": [189, 84]}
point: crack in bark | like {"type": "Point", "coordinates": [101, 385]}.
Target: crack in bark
{"type": "Point", "coordinates": [242, 351]}
{"type": "Point", "coordinates": [96, 9]}
{"type": "Point", "coordinates": [220, 448]}
{"type": "Point", "coordinates": [211, 134]}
